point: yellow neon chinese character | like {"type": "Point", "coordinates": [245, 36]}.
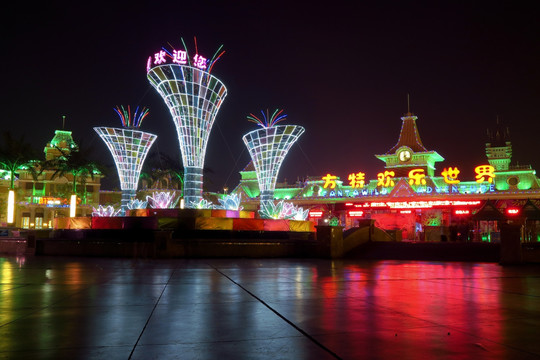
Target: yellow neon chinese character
{"type": "Point", "coordinates": [450, 175]}
{"type": "Point", "coordinates": [483, 172]}
{"type": "Point", "coordinates": [417, 177]}
{"type": "Point", "coordinates": [329, 181]}
{"type": "Point", "coordinates": [357, 180]}
{"type": "Point", "coordinates": [385, 179]}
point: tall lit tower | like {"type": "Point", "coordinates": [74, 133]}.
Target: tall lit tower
{"type": "Point", "coordinates": [129, 147]}
{"type": "Point", "coordinates": [268, 147]}
{"type": "Point", "coordinates": [193, 97]}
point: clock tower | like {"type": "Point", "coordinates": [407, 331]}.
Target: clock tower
{"type": "Point", "coordinates": [409, 152]}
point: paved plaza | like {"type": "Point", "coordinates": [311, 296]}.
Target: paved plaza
{"type": "Point", "coordinates": [96, 308]}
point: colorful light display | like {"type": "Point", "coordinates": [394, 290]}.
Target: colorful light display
{"type": "Point", "coordinates": [105, 211]}
{"type": "Point", "coordinates": [11, 207]}
{"type": "Point", "coordinates": [162, 200]}
{"type": "Point", "coordinates": [427, 204]}
{"type": "Point", "coordinates": [73, 205]}
{"type": "Point", "coordinates": [193, 97]}
{"type": "Point", "coordinates": [268, 147]}
{"type": "Point", "coordinates": [230, 202]}
{"type": "Point", "coordinates": [417, 176]}
{"type": "Point", "coordinates": [129, 148]}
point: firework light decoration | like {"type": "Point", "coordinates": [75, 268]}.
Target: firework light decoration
{"type": "Point", "coordinates": [267, 120]}
{"type": "Point", "coordinates": [129, 121]}
{"type": "Point", "coordinates": [193, 97]}
{"type": "Point", "coordinates": [129, 148]}
{"type": "Point", "coordinates": [268, 147]}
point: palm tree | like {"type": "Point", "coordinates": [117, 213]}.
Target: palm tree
{"type": "Point", "coordinates": [162, 167]}
{"type": "Point", "coordinates": [77, 163]}
{"type": "Point", "coordinates": [16, 154]}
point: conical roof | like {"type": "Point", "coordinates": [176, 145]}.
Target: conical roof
{"type": "Point", "coordinates": [409, 135]}
{"type": "Point", "coordinates": [488, 212]}
{"type": "Point", "coordinates": [530, 211]}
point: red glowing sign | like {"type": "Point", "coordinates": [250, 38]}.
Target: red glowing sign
{"type": "Point", "coordinates": [405, 211]}
{"type": "Point", "coordinates": [512, 211]}
{"type": "Point", "coordinates": [462, 212]}
{"type": "Point", "coordinates": [315, 214]}
{"type": "Point", "coordinates": [355, 213]}
{"type": "Point", "coordinates": [427, 204]}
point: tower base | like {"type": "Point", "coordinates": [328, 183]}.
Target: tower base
{"type": "Point", "coordinates": [127, 196]}
{"type": "Point", "coordinates": [267, 195]}
{"type": "Point", "coordinates": [193, 186]}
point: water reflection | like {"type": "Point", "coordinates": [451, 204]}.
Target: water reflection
{"type": "Point", "coordinates": [400, 298]}
{"type": "Point", "coordinates": [387, 308]}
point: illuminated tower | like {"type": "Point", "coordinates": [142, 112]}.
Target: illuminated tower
{"type": "Point", "coordinates": [268, 147]}
{"type": "Point", "coordinates": [499, 147]}
{"type": "Point", "coordinates": [409, 153]}
{"type": "Point", "coordinates": [193, 97]}
{"type": "Point", "coordinates": [129, 148]}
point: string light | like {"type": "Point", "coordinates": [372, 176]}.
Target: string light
{"type": "Point", "coordinates": [268, 147]}
{"type": "Point", "coordinates": [193, 97]}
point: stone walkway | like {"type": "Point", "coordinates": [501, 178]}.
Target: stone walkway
{"type": "Point", "coordinates": [96, 308]}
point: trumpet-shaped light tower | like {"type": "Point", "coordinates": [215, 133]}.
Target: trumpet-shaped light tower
{"type": "Point", "coordinates": [268, 147]}
{"type": "Point", "coordinates": [129, 147]}
{"type": "Point", "coordinates": [193, 97]}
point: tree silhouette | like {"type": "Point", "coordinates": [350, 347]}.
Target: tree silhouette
{"type": "Point", "coordinates": [77, 163]}
{"type": "Point", "coordinates": [15, 155]}
{"type": "Point", "coordinates": [161, 167]}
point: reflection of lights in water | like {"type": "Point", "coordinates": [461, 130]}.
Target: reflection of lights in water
{"type": "Point", "coordinates": [6, 296]}
{"type": "Point", "coordinates": [21, 260]}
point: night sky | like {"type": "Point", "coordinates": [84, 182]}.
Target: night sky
{"type": "Point", "coordinates": [342, 70]}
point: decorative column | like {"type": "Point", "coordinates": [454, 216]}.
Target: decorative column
{"type": "Point", "coordinates": [129, 148]}
{"type": "Point", "coordinates": [268, 147]}
{"type": "Point", "coordinates": [193, 97]}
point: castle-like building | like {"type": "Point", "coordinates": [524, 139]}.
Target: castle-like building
{"type": "Point", "coordinates": [410, 197]}
{"type": "Point", "coordinates": [42, 197]}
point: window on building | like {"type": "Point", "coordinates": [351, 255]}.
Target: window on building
{"type": "Point", "coordinates": [25, 221]}
{"type": "Point", "coordinates": [39, 221]}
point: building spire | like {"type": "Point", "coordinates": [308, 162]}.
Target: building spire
{"type": "Point", "coordinates": [409, 113]}
{"type": "Point", "coordinates": [63, 121]}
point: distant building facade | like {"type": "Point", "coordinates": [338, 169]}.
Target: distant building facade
{"type": "Point", "coordinates": [40, 198]}
{"type": "Point", "coordinates": [413, 199]}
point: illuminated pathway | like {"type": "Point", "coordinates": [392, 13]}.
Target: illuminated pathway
{"type": "Point", "coordinates": [71, 308]}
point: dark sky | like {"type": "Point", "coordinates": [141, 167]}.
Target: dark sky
{"type": "Point", "coordinates": [342, 70]}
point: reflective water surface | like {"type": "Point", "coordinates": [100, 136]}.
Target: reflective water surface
{"type": "Point", "coordinates": [56, 308]}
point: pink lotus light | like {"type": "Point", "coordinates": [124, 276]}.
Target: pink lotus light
{"type": "Point", "coordinates": [162, 200]}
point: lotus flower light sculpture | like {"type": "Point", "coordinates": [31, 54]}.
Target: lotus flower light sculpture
{"type": "Point", "coordinates": [105, 211]}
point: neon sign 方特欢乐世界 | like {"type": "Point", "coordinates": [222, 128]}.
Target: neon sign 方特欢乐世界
{"type": "Point", "coordinates": [484, 173]}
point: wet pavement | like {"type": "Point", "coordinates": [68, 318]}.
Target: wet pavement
{"type": "Point", "coordinates": [95, 308]}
